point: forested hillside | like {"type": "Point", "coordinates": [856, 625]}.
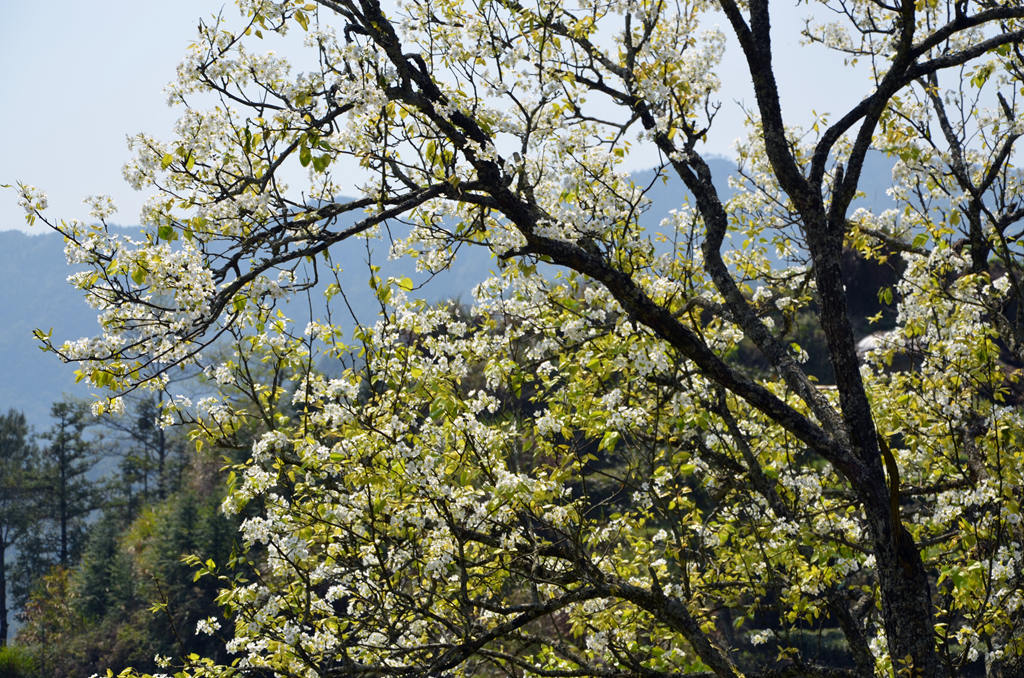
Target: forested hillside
{"type": "Point", "coordinates": [96, 515]}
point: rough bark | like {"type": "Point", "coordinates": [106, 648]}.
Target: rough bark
{"type": "Point", "coordinates": [4, 629]}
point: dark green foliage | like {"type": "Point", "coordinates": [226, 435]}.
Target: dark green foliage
{"type": "Point", "coordinates": [151, 460]}
{"type": "Point", "coordinates": [16, 662]}
{"type": "Point", "coordinates": [131, 597]}
{"type": "Point", "coordinates": [49, 621]}
{"type": "Point", "coordinates": [865, 280]}
{"type": "Point", "coordinates": [104, 578]}
{"type": "Point", "coordinates": [15, 476]}
{"type": "Point", "coordinates": [112, 591]}
{"type": "Point", "coordinates": [62, 497]}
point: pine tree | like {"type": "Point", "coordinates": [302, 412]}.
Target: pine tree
{"type": "Point", "coordinates": [151, 458]}
{"type": "Point", "coordinates": [62, 496]}
{"type": "Point", "coordinates": [15, 461]}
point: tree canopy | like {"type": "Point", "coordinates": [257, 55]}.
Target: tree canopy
{"type": "Point", "coordinates": [575, 474]}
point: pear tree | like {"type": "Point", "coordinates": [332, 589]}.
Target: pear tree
{"type": "Point", "coordinates": [574, 475]}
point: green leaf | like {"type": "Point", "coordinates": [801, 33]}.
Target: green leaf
{"type": "Point", "coordinates": [321, 162]}
{"type": "Point", "coordinates": [305, 155]}
{"type": "Point", "coordinates": [166, 161]}
{"type": "Point", "coordinates": [405, 283]}
{"type": "Point", "coordinates": [609, 440]}
{"type": "Point", "coordinates": [981, 75]}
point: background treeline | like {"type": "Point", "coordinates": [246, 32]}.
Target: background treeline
{"type": "Point", "coordinates": [96, 515]}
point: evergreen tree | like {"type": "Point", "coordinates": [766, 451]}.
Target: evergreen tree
{"type": "Point", "coordinates": [62, 497]}
{"type": "Point", "coordinates": [151, 458]}
{"type": "Point", "coordinates": [131, 596]}
{"type": "Point", "coordinates": [15, 466]}
{"type": "Point", "coordinates": [104, 578]}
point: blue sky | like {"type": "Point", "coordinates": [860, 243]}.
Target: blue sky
{"type": "Point", "coordinates": [79, 77]}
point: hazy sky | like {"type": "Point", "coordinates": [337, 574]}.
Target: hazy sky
{"type": "Point", "coordinates": [78, 77]}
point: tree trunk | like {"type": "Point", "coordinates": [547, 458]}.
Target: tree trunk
{"type": "Point", "coordinates": [905, 593]}
{"type": "Point", "coordinates": [3, 594]}
{"type": "Point", "coordinates": [161, 458]}
{"type": "Point", "coordinates": [63, 504]}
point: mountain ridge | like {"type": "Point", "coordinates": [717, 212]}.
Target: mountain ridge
{"type": "Point", "coordinates": [33, 274]}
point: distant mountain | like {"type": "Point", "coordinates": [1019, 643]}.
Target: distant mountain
{"type": "Point", "coordinates": [33, 277]}
{"type": "Point", "coordinates": [36, 295]}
